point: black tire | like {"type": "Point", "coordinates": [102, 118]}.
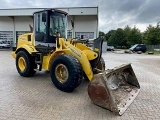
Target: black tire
{"type": "Point", "coordinates": [29, 64]}
{"type": "Point", "coordinates": [80, 78]}
{"type": "Point", "coordinates": [74, 70]}
{"type": "Point", "coordinates": [101, 64]}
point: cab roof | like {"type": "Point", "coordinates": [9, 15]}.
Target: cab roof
{"type": "Point", "coordinates": [53, 10]}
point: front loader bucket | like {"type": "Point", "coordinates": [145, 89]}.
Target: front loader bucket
{"type": "Point", "coordinates": [114, 89]}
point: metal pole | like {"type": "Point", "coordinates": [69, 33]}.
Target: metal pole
{"type": "Point", "coordinates": [14, 36]}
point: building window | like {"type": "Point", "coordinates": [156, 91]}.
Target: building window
{"type": "Point", "coordinates": [69, 34]}
{"type": "Point", "coordinates": [6, 37]}
{"type": "Point", "coordinates": [85, 35]}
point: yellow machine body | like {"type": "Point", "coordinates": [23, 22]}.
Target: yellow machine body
{"type": "Point", "coordinates": [78, 50]}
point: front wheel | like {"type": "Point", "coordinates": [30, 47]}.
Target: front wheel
{"type": "Point", "coordinates": [25, 64]}
{"type": "Point", "coordinates": [66, 72]}
{"type": "Point", "coordinates": [101, 64]}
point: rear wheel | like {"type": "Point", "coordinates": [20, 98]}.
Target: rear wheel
{"type": "Point", "coordinates": [25, 64]}
{"type": "Point", "coordinates": [66, 73]}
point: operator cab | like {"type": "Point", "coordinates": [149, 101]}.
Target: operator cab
{"type": "Point", "coordinates": [47, 25]}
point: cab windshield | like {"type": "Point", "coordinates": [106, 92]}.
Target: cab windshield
{"type": "Point", "coordinates": [58, 24]}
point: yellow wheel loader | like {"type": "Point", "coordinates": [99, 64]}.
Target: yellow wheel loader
{"type": "Point", "coordinates": [70, 61]}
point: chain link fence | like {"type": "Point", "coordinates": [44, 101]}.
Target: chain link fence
{"type": "Point", "coordinates": [153, 47]}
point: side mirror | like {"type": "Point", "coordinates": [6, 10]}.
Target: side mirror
{"type": "Point", "coordinates": [43, 17]}
{"type": "Point", "coordinates": [72, 23]}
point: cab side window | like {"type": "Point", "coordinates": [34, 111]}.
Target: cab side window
{"type": "Point", "coordinates": [40, 25]}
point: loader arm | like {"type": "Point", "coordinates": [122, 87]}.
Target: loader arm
{"type": "Point", "coordinates": [97, 47]}
{"type": "Point", "coordinates": [79, 51]}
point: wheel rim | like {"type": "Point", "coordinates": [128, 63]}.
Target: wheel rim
{"type": "Point", "coordinates": [61, 73]}
{"type": "Point", "coordinates": [21, 63]}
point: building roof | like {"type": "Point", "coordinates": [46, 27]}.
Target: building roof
{"type": "Point", "coordinates": [30, 11]}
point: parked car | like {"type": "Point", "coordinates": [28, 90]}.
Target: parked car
{"type": "Point", "coordinates": [5, 45]}
{"type": "Point", "coordinates": [110, 48]}
{"type": "Point", "coordinates": [138, 47]}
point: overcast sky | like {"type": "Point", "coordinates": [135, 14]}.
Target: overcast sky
{"type": "Point", "coordinates": [113, 14]}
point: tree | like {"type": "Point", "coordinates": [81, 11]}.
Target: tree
{"type": "Point", "coordinates": [152, 35]}
{"type": "Point", "coordinates": [101, 33]}
{"type": "Point", "coordinates": [135, 37]}
{"type": "Point", "coordinates": [109, 34]}
{"type": "Point", "coordinates": [127, 32]}
{"type": "Point", "coordinates": [117, 38]}
{"type": "Point", "coordinates": [124, 38]}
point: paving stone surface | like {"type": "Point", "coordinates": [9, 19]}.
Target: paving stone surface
{"type": "Point", "coordinates": [36, 98]}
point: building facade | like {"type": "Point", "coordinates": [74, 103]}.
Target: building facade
{"type": "Point", "coordinates": [14, 22]}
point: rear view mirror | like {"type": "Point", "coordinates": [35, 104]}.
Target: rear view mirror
{"type": "Point", "coordinates": [43, 17]}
